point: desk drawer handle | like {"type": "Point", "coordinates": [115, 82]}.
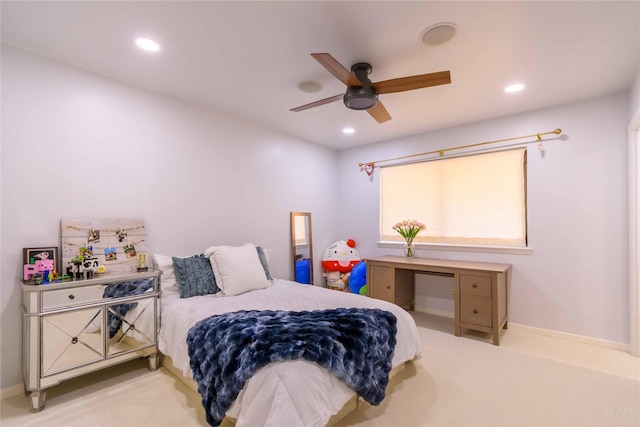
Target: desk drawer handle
{"type": "Point", "coordinates": [475, 311]}
{"type": "Point", "coordinates": [388, 287]}
{"type": "Point", "coordinates": [71, 296]}
{"type": "Point", "coordinates": [474, 286]}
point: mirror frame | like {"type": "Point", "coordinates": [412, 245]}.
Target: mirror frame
{"type": "Point", "coordinates": [307, 217]}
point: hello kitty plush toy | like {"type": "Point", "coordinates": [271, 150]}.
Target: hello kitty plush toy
{"type": "Point", "coordinates": [338, 260]}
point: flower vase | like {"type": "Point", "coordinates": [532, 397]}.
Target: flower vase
{"type": "Point", "coordinates": [410, 249]}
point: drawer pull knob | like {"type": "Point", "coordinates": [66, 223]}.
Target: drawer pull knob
{"type": "Point", "coordinates": [474, 286]}
{"type": "Point", "coordinates": [475, 311]}
{"type": "Point", "coordinates": [388, 287]}
{"type": "Point", "coordinates": [74, 340]}
{"type": "Point", "coordinates": [71, 296]}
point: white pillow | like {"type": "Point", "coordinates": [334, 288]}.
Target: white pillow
{"type": "Point", "coordinates": [168, 280]}
{"type": "Point", "coordinates": [237, 269]}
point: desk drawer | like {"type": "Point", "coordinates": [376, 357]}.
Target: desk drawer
{"type": "Point", "coordinates": [475, 285]}
{"type": "Point", "coordinates": [475, 310]}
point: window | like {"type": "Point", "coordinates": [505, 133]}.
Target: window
{"type": "Point", "coordinates": [470, 200]}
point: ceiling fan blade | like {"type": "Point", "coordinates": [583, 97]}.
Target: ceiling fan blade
{"type": "Point", "coordinates": [336, 68]}
{"type": "Point", "coordinates": [379, 113]}
{"type": "Point", "coordinates": [413, 82]}
{"type": "Point", "coordinates": [318, 103]}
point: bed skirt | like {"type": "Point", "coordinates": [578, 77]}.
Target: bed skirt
{"type": "Point", "coordinates": [351, 405]}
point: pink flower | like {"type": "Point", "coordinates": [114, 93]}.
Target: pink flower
{"type": "Point", "coordinates": [409, 229]}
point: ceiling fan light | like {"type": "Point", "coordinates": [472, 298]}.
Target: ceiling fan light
{"type": "Point", "coordinates": [360, 98]}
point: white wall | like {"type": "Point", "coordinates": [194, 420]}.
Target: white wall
{"type": "Point", "coordinates": [576, 280]}
{"type": "Point", "coordinates": [76, 145]}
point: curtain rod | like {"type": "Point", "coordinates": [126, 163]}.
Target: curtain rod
{"type": "Point", "coordinates": [370, 165]}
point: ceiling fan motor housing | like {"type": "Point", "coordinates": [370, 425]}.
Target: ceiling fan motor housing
{"type": "Point", "coordinates": [361, 98]}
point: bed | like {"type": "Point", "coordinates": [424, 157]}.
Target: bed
{"type": "Point", "coordinates": [296, 392]}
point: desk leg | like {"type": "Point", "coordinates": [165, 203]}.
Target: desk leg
{"type": "Point", "coordinates": [496, 336]}
{"type": "Point", "coordinates": [456, 304]}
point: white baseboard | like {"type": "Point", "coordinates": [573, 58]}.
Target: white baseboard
{"type": "Point", "coordinates": [12, 391]}
{"type": "Point", "coordinates": [613, 345]}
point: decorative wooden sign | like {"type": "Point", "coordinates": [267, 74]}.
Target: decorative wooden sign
{"type": "Point", "coordinates": [114, 243]}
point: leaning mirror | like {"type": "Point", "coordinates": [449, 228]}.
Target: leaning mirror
{"type": "Point", "coordinates": [301, 247]}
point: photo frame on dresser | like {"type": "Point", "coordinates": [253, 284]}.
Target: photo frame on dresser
{"type": "Point", "coordinates": [36, 254]}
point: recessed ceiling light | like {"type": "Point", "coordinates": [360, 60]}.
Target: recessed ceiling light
{"type": "Point", "coordinates": [147, 44]}
{"type": "Point", "coordinates": [348, 131]}
{"type": "Point", "coordinates": [517, 87]}
{"type": "Point", "coordinates": [310, 86]}
{"type": "Point", "coordinates": [438, 33]}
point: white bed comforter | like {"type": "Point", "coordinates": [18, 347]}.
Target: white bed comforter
{"type": "Point", "coordinates": [292, 393]}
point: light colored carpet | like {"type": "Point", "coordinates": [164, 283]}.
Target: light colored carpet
{"type": "Point", "coordinates": [526, 381]}
{"type": "Point", "coordinates": [468, 382]}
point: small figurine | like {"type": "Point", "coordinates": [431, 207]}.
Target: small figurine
{"type": "Point", "coordinates": [142, 258]}
{"type": "Point", "coordinates": [74, 269]}
{"type": "Point", "coordinates": [42, 266]}
{"type": "Point", "coordinates": [36, 278]}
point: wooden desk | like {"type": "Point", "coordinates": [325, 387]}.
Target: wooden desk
{"type": "Point", "coordinates": [480, 288]}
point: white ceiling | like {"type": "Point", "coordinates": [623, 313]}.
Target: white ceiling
{"type": "Point", "coordinates": [247, 58]}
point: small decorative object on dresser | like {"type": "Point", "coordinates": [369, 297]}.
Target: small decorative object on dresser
{"type": "Point", "coordinates": [112, 242]}
{"type": "Point", "coordinates": [142, 258]}
{"type": "Point", "coordinates": [41, 263]}
{"type": "Point", "coordinates": [76, 327]}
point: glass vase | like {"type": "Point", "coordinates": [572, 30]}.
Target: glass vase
{"type": "Point", "coordinates": [410, 249]}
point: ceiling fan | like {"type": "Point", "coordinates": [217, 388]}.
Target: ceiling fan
{"type": "Point", "coordinates": [362, 94]}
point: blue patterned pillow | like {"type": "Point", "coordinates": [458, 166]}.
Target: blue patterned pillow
{"type": "Point", "coordinates": [195, 276]}
{"type": "Point", "coordinates": [263, 260]}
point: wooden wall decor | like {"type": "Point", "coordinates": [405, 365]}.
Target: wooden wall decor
{"type": "Point", "coordinates": [114, 243]}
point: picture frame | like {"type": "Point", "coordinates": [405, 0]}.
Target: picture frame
{"type": "Point", "coordinates": [51, 251]}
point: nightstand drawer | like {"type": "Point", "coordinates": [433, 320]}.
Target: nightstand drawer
{"type": "Point", "coordinates": [475, 310]}
{"type": "Point", "coordinates": [71, 297]}
{"type": "Point", "coordinates": [475, 285]}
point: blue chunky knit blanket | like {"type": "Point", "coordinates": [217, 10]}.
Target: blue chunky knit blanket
{"type": "Point", "coordinates": [119, 290]}
{"type": "Point", "coordinates": [354, 344]}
